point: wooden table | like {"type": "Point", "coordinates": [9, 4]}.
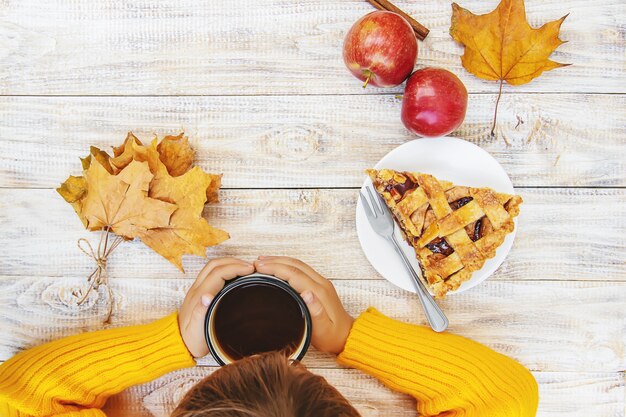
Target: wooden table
{"type": "Point", "coordinates": [260, 88]}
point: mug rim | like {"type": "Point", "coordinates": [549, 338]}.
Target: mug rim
{"type": "Point", "coordinates": [265, 279]}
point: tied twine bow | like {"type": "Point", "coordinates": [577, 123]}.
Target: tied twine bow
{"type": "Point", "coordinates": [99, 275]}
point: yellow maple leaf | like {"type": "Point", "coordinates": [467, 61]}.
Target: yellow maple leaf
{"type": "Point", "coordinates": [73, 190]}
{"type": "Point", "coordinates": [125, 153]}
{"type": "Point", "coordinates": [188, 231]}
{"type": "Point", "coordinates": [501, 45]}
{"type": "Point", "coordinates": [212, 189]}
{"type": "Point", "coordinates": [118, 150]}
{"type": "Point", "coordinates": [176, 154]}
{"type": "Point", "coordinates": [120, 203]}
{"type": "Point", "coordinates": [100, 156]}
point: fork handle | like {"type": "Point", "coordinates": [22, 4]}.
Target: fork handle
{"type": "Point", "coordinates": [437, 320]}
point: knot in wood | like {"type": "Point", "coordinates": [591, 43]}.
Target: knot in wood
{"type": "Point", "coordinates": [294, 143]}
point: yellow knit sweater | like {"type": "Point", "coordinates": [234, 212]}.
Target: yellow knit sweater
{"type": "Point", "coordinates": [447, 374]}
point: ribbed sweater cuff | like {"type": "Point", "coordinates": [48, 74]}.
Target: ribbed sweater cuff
{"type": "Point", "coordinates": [168, 351]}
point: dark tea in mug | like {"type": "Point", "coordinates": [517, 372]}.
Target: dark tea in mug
{"type": "Point", "coordinates": [254, 315]}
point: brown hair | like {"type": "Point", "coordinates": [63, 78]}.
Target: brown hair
{"type": "Point", "coordinates": [266, 385]}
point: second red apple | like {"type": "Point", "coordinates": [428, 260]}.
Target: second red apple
{"type": "Point", "coordinates": [434, 102]}
{"type": "Point", "coordinates": [380, 49]}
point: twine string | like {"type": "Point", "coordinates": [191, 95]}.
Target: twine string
{"type": "Point", "coordinates": [99, 275]}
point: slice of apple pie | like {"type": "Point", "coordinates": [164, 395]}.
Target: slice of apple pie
{"type": "Point", "coordinates": [454, 229]}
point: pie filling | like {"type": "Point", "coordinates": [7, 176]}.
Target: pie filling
{"type": "Point", "coordinates": [455, 205]}
{"type": "Point", "coordinates": [475, 232]}
{"type": "Point", "coordinates": [398, 190]}
{"type": "Point", "coordinates": [439, 245]}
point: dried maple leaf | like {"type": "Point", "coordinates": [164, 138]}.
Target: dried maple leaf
{"type": "Point", "coordinates": [214, 186]}
{"type": "Point", "coordinates": [125, 153]}
{"type": "Point", "coordinates": [188, 231]}
{"type": "Point", "coordinates": [118, 150]}
{"type": "Point", "coordinates": [100, 156]}
{"type": "Point", "coordinates": [501, 45]}
{"type": "Point", "coordinates": [120, 203]}
{"type": "Point", "coordinates": [73, 190]}
{"type": "Point", "coordinates": [176, 154]}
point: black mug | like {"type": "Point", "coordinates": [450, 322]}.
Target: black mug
{"type": "Point", "coordinates": [254, 314]}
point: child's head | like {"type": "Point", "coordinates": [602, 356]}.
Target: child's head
{"type": "Point", "coordinates": [264, 386]}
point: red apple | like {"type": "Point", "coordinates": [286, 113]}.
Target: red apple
{"type": "Point", "coordinates": [434, 102]}
{"type": "Point", "coordinates": [380, 49]}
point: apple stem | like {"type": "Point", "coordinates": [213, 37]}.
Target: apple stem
{"type": "Point", "coordinates": [495, 112]}
{"type": "Point", "coordinates": [367, 80]}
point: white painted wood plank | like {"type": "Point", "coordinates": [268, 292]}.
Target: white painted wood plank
{"type": "Point", "coordinates": [313, 141]}
{"type": "Point", "coordinates": [263, 46]}
{"type": "Point", "coordinates": [547, 326]}
{"type": "Point", "coordinates": [564, 234]}
{"type": "Point", "coordinates": [561, 394]}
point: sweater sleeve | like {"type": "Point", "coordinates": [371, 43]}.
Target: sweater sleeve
{"type": "Point", "coordinates": [447, 374]}
{"type": "Point", "coordinates": [75, 376]}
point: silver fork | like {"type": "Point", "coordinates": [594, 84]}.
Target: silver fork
{"type": "Point", "coordinates": [381, 221]}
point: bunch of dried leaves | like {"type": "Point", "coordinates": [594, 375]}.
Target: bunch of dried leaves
{"type": "Point", "coordinates": [150, 192]}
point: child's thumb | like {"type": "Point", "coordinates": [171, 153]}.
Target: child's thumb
{"type": "Point", "coordinates": [321, 322]}
{"type": "Point", "coordinates": [201, 308]}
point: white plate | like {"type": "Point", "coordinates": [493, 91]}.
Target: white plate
{"type": "Point", "coordinates": [449, 159]}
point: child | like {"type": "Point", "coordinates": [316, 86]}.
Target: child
{"type": "Point", "coordinates": [447, 374]}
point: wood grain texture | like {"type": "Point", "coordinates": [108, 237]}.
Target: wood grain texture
{"type": "Point", "coordinates": [562, 326]}
{"type": "Point", "coordinates": [563, 234]}
{"type": "Point", "coordinates": [561, 394]}
{"type": "Point", "coordinates": [313, 141]}
{"type": "Point", "coordinates": [225, 47]}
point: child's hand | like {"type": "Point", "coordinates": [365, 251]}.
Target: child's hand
{"type": "Point", "coordinates": [209, 282]}
{"type": "Point", "coordinates": [331, 322]}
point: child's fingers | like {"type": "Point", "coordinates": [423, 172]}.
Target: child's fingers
{"type": "Point", "coordinates": [295, 263]}
{"type": "Point", "coordinates": [218, 276]}
{"type": "Point", "coordinates": [211, 265]}
{"type": "Point", "coordinates": [293, 275]}
{"type": "Point", "coordinates": [214, 263]}
{"type": "Point", "coordinates": [211, 286]}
